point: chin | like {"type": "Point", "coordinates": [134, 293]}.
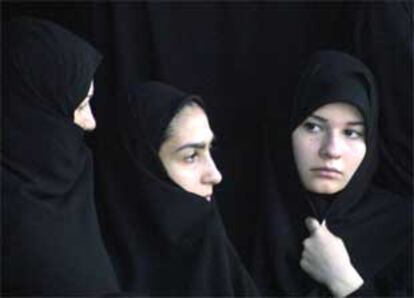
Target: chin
{"type": "Point", "coordinates": [89, 127]}
{"type": "Point", "coordinates": [325, 188]}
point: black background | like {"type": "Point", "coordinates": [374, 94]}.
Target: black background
{"type": "Point", "coordinates": [245, 59]}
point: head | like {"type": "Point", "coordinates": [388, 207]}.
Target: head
{"type": "Point", "coordinates": [329, 146]}
{"type": "Point", "coordinates": [57, 84]}
{"type": "Point", "coordinates": [185, 151]}
{"type": "Point", "coordinates": [333, 127]}
{"type": "Point", "coordinates": [82, 116]}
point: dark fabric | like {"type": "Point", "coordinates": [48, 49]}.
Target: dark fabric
{"type": "Point", "coordinates": [238, 55]}
{"type": "Point", "coordinates": [163, 240]}
{"type": "Point", "coordinates": [241, 56]}
{"type": "Point", "coordinates": [383, 38]}
{"type": "Point", "coordinates": [374, 224]}
{"type": "Point", "coordinates": [51, 241]}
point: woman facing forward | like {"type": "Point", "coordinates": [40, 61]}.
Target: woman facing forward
{"type": "Point", "coordinates": [328, 230]}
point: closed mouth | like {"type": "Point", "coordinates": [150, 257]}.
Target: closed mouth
{"type": "Point", "coordinates": [327, 171]}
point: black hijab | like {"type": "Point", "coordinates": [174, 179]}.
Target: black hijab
{"type": "Point", "coordinates": [374, 224]}
{"type": "Point", "coordinates": [51, 240]}
{"type": "Point", "coordinates": [163, 239]}
{"type": "Point", "coordinates": [335, 77]}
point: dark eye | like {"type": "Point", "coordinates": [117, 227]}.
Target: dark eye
{"type": "Point", "coordinates": [191, 158]}
{"type": "Point", "coordinates": [312, 127]}
{"type": "Point", "coordinates": [353, 133]}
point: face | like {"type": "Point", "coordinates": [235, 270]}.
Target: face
{"type": "Point", "coordinates": [328, 147]}
{"type": "Point", "coordinates": [82, 116]}
{"type": "Point", "coordinates": [185, 154]}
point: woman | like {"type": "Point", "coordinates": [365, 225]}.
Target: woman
{"type": "Point", "coordinates": [160, 222]}
{"type": "Point", "coordinates": [51, 241]}
{"type": "Point", "coordinates": [327, 230]}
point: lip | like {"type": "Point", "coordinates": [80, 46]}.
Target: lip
{"type": "Point", "coordinates": [326, 172]}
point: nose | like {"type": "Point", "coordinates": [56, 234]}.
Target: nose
{"type": "Point", "coordinates": [90, 122]}
{"type": "Point", "coordinates": [212, 175]}
{"type": "Point", "coordinates": [331, 147]}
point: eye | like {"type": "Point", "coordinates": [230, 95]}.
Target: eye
{"type": "Point", "coordinates": [312, 127]}
{"type": "Point", "coordinates": [191, 158]}
{"type": "Point", "coordinates": [353, 133]}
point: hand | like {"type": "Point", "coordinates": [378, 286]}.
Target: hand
{"type": "Point", "coordinates": [327, 261]}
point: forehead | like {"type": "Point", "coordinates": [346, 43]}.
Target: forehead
{"type": "Point", "coordinates": [191, 125]}
{"type": "Point", "coordinates": [339, 112]}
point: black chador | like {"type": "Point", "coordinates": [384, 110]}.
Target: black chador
{"type": "Point", "coordinates": [374, 224]}
{"type": "Point", "coordinates": [51, 241]}
{"type": "Point", "coordinates": [163, 240]}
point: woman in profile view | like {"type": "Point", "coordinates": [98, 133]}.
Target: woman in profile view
{"type": "Point", "coordinates": [51, 241]}
{"type": "Point", "coordinates": [159, 218]}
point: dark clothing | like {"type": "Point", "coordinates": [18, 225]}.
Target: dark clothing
{"type": "Point", "coordinates": [378, 236]}
{"type": "Point", "coordinates": [163, 240]}
{"type": "Point", "coordinates": [51, 241]}
{"type": "Point", "coordinates": [383, 39]}
{"type": "Point", "coordinates": [374, 224]}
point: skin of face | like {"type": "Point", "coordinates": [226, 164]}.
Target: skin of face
{"type": "Point", "coordinates": [185, 154]}
{"type": "Point", "coordinates": [82, 116]}
{"type": "Point", "coordinates": [329, 146]}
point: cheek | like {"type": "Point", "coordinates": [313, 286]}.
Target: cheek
{"type": "Point", "coordinates": [356, 154]}
{"type": "Point", "coordinates": [182, 174]}
{"type": "Point", "coordinates": [305, 150]}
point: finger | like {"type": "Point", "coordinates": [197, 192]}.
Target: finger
{"type": "Point", "coordinates": [324, 226]}
{"type": "Point", "coordinates": [324, 223]}
{"type": "Point", "coordinates": [304, 265]}
{"type": "Point", "coordinates": [311, 224]}
{"type": "Point", "coordinates": [306, 255]}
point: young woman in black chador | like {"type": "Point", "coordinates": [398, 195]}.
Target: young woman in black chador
{"type": "Point", "coordinates": [159, 219]}
{"type": "Point", "coordinates": [328, 230]}
{"type": "Point", "coordinates": [51, 241]}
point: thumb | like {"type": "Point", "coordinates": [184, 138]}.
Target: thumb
{"type": "Point", "coordinates": [312, 224]}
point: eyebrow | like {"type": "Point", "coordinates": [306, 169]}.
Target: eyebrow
{"type": "Point", "coordinates": [326, 120]}
{"type": "Point", "coordinates": [200, 145]}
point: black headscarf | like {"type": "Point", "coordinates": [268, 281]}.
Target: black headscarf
{"type": "Point", "coordinates": [337, 77]}
{"type": "Point", "coordinates": [163, 239]}
{"type": "Point", "coordinates": [51, 239]}
{"type": "Point", "coordinates": [374, 224]}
